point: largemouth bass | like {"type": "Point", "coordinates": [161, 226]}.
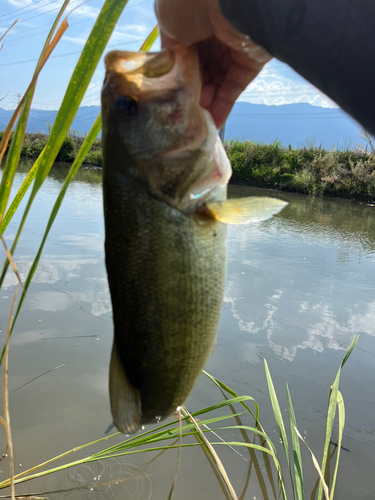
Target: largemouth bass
{"type": "Point", "coordinates": [165, 176]}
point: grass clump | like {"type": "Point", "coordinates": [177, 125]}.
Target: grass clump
{"type": "Point", "coordinates": [309, 169]}
{"type": "Point", "coordinates": [33, 145]}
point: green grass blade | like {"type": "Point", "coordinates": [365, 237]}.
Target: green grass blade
{"type": "Point", "coordinates": [147, 45]}
{"type": "Point", "coordinates": [74, 94]}
{"type": "Point", "coordinates": [215, 457]}
{"type": "Point", "coordinates": [78, 84]}
{"type": "Point", "coordinates": [164, 432]}
{"type": "Point", "coordinates": [18, 198]}
{"type": "Point", "coordinates": [332, 412]}
{"type": "Point", "coordinates": [329, 426]}
{"type": "Point", "coordinates": [151, 39]}
{"type": "Point", "coordinates": [142, 438]}
{"type": "Point", "coordinates": [16, 145]}
{"type": "Point", "coordinates": [14, 155]}
{"type": "Point", "coordinates": [58, 457]}
{"type": "Point", "coordinates": [221, 385]}
{"type": "Point", "coordinates": [131, 442]}
{"type": "Point", "coordinates": [88, 142]}
{"type": "Point", "coordinates": [19, 480]}
{"type": "Point", "coordinates": [341, 407]}
{"type": "Point", "coordinates": [279, 421]}
{"type": "Point", "coordinates": [147, 442]}
{"type": "Point", "coordinates": [157, 436]}
{"type": "Point", "coordinates": [263, 450]}
{"type": "Point", "coordinates": [222, 404]}
{"type": "Point", "coordinates": [5, 484]}
{"type": "Point", "coordinates": [350, 350]}
{"type": "Point", "coordinates": [120, 449]}
{"type": "Point", "coordinates": [297, 459]}
{"type": "Point", "coordinates": [316, 465]}
{"type": "Point", "coordinates": [214, 407]}
{"type": "Point", "coordinates": [272, 448]}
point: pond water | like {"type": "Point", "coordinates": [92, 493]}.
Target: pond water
{"type": "Point", "coordinates": [299, 287]}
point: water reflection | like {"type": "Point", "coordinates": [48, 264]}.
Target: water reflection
{"type": "Point", "coordinates": [114, 478]}
{"type": "Point", "coordinates": [328, 221]}
{"type": "Point", "coordinates": [299, 287]}
{"type": "Point", "coordinates": [87, 174]}
{"type": "Point", "coordinates": [310, 252]}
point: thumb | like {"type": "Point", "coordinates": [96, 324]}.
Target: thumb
{"type": "Point", "coordinates": [186, 22]}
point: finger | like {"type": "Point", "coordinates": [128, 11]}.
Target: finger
{"type": "Point", "coordinates": [166, 41]}
{"type": "Point", "coordinates": [207, 95]}
{"type": "Point", "coordinates": [185, 21]}
{"type": "Point", "coordinates": [236, 81]}
{"type": "Point", "coordinates": [220, 110]}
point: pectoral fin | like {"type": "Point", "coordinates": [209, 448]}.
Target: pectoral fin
{"type": "Point", "coordinates": [125, 399]}
{"type": "Point", "coordinates": [244, 210]}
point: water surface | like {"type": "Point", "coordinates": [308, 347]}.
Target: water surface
{"type": "Point", "coordinates": [299, 287]}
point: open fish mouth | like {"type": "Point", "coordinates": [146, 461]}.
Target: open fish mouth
{"type": "Point", "coordinates": [137, 64]}
{"type": "Point", "coordinates": [150, 107]}
{"type": "Point", "coordinates": [138, 73]}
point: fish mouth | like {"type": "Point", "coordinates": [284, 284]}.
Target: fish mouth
{"type": "Point", "coordinates": [138, 74]}
{"type": "Point", "coordinates": [138, 65]}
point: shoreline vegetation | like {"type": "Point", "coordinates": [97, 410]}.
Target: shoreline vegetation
{"type": "Point", "coordinates": [308, 169]}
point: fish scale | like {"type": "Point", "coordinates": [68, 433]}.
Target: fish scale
{"type": "Point", "coordinates": [167, 287]}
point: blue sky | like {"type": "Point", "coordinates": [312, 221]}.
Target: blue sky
{"type": "Point", "coordinates": [277, 84]}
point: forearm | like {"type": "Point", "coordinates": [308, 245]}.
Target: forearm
{"type": "Point", "coordinates": [331, 43]}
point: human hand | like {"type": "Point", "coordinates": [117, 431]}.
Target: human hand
{"type": "Point", "coordinates": [229, 59]}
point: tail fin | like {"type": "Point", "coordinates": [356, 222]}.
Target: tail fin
{"type": "Point", "coordinates": [125, 399]}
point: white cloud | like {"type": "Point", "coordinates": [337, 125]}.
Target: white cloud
{"type": "Point", "coordinates": [138, 28]}
{"type": "Point", "coordinates": [77, 40]}
{"type": "Point", "coordinates": [278, 85]}
{"type": "Point", "coordinates": [230, 299]}
{"type": "Point", "coordinates": [87, 11]}
{"type": "Point", "coordinates": [93, 242]}
{"type": "Point", "coordinates": [20, 3]}
{"type": "Point", "coordinates": [94, 85]}
{"type": "Point", "coordinates": [323, 330]}
{"type": "Point", "coordinates": [50, 269]}
{"type": "Point", "coordinates": [121, 35]}
{"type": "Point", "coordinates": [98, 300]}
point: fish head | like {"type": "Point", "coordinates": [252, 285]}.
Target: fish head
{"type": "Point", "coordinates": [154, 129]}
{"type": "Point", "coordinates": [153, 99]}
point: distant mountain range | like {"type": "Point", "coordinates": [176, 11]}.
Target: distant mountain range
{"type": "Point", "coordinates": [290, 124]}
{"type": "Point", "coordinates": [293, 124]}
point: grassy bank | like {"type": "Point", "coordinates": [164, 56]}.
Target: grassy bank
{"type": "Point", "coordinates": [309, 169]}
{"type": "Point", "coordinates": [33, 145]}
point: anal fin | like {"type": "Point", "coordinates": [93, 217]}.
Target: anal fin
{"type": "Point", "coordinates": [125, 399]}
{"type": "Point", "coordinates": [245, 210]}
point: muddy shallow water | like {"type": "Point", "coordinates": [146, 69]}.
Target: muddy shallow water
{"type": "Point", "coordinates": [299, 287]}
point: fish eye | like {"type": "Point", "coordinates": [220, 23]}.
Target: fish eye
{"type": "Point", "coordinates": [126, 104]}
